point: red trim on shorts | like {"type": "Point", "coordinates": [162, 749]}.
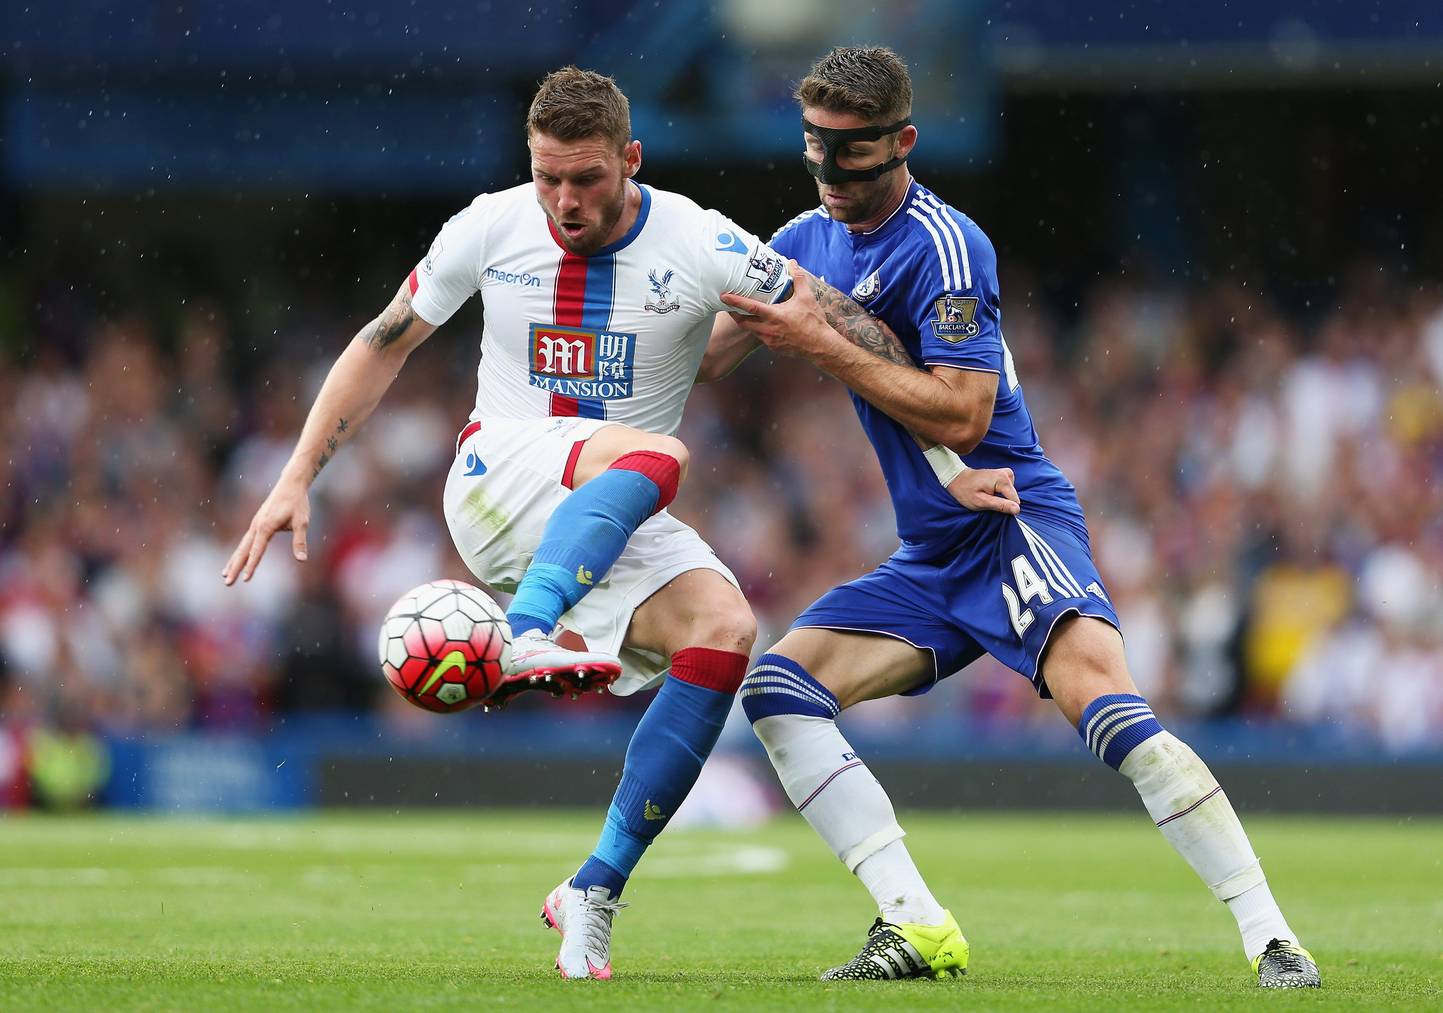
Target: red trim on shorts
{"type": "Point", "coordinates": [722, 671]}
{"type": "Point", "coordinates": [568, 473]}
{"type": "Point", "coordinates": [472, 428]}
{"type": "Point", "coordinates": [663, 469]}
{"type": "Point", "coordinates": [412, 282]}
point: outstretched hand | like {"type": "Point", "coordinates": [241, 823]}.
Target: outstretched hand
{"type": "Point", "coordinates": [795, 326]}
{"type": "Point", "coordinates": [287, 508]}
{"type": "Point", "coordinates": [987, 489]}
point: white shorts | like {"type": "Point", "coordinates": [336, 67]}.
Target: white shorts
{"type": "Point", "coordinates": [504, 485]}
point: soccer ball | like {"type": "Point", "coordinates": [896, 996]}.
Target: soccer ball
{"type": "Point", "coordinates": [443, 645]}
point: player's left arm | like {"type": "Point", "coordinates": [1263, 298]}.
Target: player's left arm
{"type": "Point", "coordinates": [734, 261]}
{"type": "Point", "coordinates": [944, 405]}
{"type": "Point", "coordinates": [729, 345]}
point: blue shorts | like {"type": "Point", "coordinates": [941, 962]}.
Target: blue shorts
{"type": "Point", "coordinates": [1000, 592]}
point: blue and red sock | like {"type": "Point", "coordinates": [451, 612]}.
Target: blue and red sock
{"type": "Point", "coordinates": [667, 750]}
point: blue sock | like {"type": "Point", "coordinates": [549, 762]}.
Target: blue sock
{"type": "Point", "coordinates": [668, 748]}
{"type": "Point", "coordinates": [582, 540]}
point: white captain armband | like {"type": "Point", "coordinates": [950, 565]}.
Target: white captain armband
{"type": "Point", "coordinates": [946, 465]}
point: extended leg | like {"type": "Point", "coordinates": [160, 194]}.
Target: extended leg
{"type": "Point", "coordinates": [1086, 672]}
{"type": "Point", "coordinates": [622, 477]}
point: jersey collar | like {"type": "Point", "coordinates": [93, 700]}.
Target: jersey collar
{"type": "Point", "coordinates": [625, 240]}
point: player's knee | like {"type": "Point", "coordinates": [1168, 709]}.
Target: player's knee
{"type": "Point", "coordinates": [666, 446]}
{"type": "Point", "coordinates": [1083, 661]}
{"type": "Point", "coordinates": [777, 685]}
{"type": "Point", "coordinates": [663, 460]}
{"type": "Point", "coordinates": [675, 449]}
{"type": "Point", "coordinates": [727, 627]}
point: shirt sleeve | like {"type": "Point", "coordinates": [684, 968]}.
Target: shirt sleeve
{"type": "Point", "coordinates": [740, 263]}
{"type": "Point", "coordinates": [954, 300]}
{"type": "Point", "coordinates": [451, 271]}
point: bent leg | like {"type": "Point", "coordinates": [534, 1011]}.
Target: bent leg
{"type": "Point", "coordinates": [792, 696]}
{"type": "Point", "coordinates": [615, 441]}
{"type": "Point", "coordinates": [621, 476]}
{"type": "Point", "coordinates": [1086, 671]}
{"type": "Point", "coordinates": [702, 622]}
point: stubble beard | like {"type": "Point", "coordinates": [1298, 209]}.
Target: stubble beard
{"type": "Point", "coordinates": [866, 203]}
{"type": "Point", "coordinates": [594, 239]}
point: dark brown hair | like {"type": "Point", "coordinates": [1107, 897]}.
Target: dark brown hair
{"type": "Point", "coordinates": [573, 104]}
{"type": "Point", "coordinates": [868, 81]}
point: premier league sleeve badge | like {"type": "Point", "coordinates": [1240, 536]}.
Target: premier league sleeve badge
{"type": "Point", "coordinates": [956, 318]}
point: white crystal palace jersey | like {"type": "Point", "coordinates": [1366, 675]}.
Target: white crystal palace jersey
{"type": "Point", "coordinates": [617, 335]}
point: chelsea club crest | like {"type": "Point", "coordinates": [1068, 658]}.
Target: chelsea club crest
{"type": "Point", "coordinates": [867, 288]}
{"type": "Point", "coordinates": [661, 300]}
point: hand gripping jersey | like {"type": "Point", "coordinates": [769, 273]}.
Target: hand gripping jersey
{"type": "Point", "coordinates": [617, 335]}
{"type": "Point", "coordinates": [931, 274]}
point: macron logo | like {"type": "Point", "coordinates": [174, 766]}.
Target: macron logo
{"type": "Point", "coordinates": [528, 279]}
{"type": "Point", "coordinates": [730, 242]}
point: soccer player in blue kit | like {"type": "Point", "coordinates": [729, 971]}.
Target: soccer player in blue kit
{"type": "Point", "coordinates": [1022, 588]}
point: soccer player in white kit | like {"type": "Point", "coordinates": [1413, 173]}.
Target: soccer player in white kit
{"type": "Point", "coordinates": [600, 296]}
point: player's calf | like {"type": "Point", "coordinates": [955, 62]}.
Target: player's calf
{"type": "Point", "coordinates": [1086, 671]}
{"type": "Point", "coordinates": [666, 753]}
{"type": "Point", "coordinates": [679, 730]}
{"type": "Point", "coordinates": [794, 716]}
{"type": "Point", "coordinates": [1190, 809]}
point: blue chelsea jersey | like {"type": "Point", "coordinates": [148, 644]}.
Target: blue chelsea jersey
{"type": "Point", "coordinates": [931, 275]}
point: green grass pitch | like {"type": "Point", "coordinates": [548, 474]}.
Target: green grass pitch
{"type": "Point", "coordinates": [422, 911]}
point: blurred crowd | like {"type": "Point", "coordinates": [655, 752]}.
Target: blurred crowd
{"type": "Point", "coordinates": [1264, 490]}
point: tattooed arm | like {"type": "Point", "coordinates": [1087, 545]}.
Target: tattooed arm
{"type": "Point", "coordinates": [353, 388]}
{"type": "Point", "coordinates": [731, 343]}
{"type": "Point", "coordinates": [946, 406]}
{"type": "Point", "coordinates": [355, 384]}
{"type": "Point", "coordinates": [857, 325]}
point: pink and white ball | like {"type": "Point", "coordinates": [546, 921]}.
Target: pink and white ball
{"type": "Point", "coordinates": [444, 646]}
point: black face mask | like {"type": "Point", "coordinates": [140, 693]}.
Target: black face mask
{"type": "Point", "coordinates": [828, 171]}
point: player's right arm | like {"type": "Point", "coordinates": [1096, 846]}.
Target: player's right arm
{"type": "Point", "coordinates": [353, 388]}
{"type": "Point", "coordinates": [446, 278]}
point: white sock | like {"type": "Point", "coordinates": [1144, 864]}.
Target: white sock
{"type": "Point", "coordinates": [836, 793]}
{"type": "Point", "coordinates": [1259, 919]}
{"type": "Point", "coordinates": [1189, 807]}
{"type": "Point", "coordinates": [891, 877]}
